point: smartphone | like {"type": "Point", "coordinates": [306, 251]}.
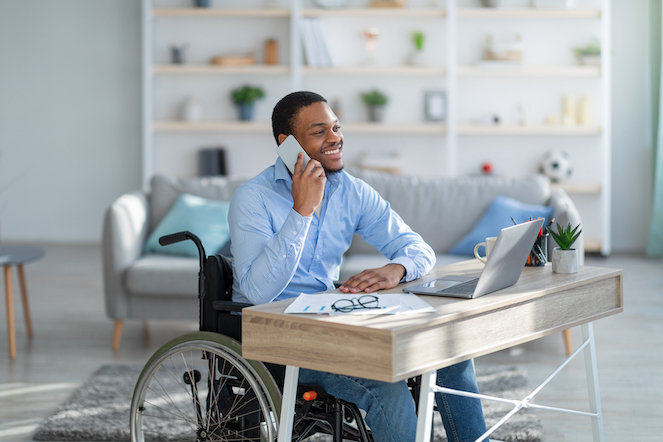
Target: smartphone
{"type": "Point", "coordinates": [288, 151]}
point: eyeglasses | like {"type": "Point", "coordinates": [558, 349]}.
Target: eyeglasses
{"type": "Point", "coordinates": [348, 305]}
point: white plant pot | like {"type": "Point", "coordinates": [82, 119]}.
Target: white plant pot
{"type": "Point", "coordinates": [564, 261]}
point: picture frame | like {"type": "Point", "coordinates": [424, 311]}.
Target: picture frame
{"type": "Point", "coordinates": [435, 107]}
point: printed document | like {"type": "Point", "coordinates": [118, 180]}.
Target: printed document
{"type": "Point", "coordinates": [389, 303]}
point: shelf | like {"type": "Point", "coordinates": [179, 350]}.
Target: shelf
{"type": "Point", "coordinates": [375, 12]}
{"type": "Point", "coordinates": [575, 188]}
{"type": "Point", "coordinates": [529, 71]}
{"type": "Point", "coordinates": [186, 69]}
{"type": "Point", "coordinates": [238, 126]}
{"type": "Point", "coordinates": [503, 129]}
{"type": "Point", "coordinates": [375, 70]}
{"type": "Point", "coordinates": [211, 126]}
{"type": "Point", "coordinates": [394, 128]}
{"type": "Point", "coordinates": [528, 12]}
{"type": "Point", "coordinates": [592, 245]}
{"type": "Point", "coordinates": [215, 12]}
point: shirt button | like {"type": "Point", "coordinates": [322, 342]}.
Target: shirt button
{"type": "Point", "coordinates": [284, 256]}
{"type": "Point", "coordinates": [299, 222]}
{"type": "Point", "coordinates": [294, 232]}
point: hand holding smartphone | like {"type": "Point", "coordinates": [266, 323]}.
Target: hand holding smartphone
{"type": "Point", "coordinates": [288, 151]}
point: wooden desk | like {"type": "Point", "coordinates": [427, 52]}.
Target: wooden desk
{"type": "Point", "coordinates": [395, 347]}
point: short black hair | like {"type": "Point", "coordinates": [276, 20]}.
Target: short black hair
{"type": "Point", "coordinates": [286, 110]}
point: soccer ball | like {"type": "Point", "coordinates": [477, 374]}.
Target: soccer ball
{"type": "Point", "coordinates": [556, 165]}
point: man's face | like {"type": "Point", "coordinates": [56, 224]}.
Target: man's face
{"type": "Point", "coordinates": [319, 133]}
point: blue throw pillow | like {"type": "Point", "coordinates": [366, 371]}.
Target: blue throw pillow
{"type": "Point", "coordinates": [495, 218]}
{"type": "Point", "coordinates": [207, 219]}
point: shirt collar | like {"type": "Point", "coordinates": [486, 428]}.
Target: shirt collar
{"type": "Point", "coordinates": [281, 171]}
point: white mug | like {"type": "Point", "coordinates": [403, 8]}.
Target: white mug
{"type": "Point", "coordinates": [488, 245]}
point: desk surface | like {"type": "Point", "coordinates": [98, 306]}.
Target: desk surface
{"type": "Point", "coordinates": [395, 347]}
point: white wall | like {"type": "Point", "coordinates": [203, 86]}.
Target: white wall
{"type": "Point", "coordinates": [70, 110]}
{"type": "Point", "coordinates": [69, 115]}
{"type": "Point", "coordinates": [631, 120]}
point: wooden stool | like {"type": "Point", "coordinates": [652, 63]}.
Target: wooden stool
{"type": "Point", "coordinates": [9, 256]}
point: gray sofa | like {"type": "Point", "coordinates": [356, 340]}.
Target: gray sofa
{"type": "Point", "coordinates": [157, 286]}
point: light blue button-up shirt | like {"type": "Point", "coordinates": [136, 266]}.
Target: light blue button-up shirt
{"type": "Point", "coordinates": [279, 253]}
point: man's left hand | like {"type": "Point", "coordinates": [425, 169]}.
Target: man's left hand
{"type": "Point", "coordinates": [371, 280]}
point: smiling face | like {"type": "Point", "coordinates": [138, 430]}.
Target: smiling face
{"type": "Point", "coordinates": [318, 131]}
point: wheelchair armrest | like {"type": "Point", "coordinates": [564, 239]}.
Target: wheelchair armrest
{"type": "Point", "coordinates": [230, 306]}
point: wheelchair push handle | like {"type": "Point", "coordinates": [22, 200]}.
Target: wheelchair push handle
{"type": "Point", "coordinates": [173, 238]}
{"type": "Point", "coordinates": [183, 236]}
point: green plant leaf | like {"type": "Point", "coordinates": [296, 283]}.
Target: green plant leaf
{"type": "Point", "coordinates": [565, 237]}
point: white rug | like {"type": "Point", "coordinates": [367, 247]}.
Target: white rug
{"type": "Point", "coordinates": [99, 410]}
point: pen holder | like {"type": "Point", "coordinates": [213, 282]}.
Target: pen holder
{"type": "Point", "coordinates": [538, 256]}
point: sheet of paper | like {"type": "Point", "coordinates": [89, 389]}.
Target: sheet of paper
{"type": "Point", "coordinates": [390, 303]}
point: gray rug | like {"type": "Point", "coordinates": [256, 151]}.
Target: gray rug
{"type": "Point", "coordinates": [99, 410]}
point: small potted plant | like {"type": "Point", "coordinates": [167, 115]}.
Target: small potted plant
{"type": "Point", "coordinates": [564, 258]}
{"type": "Point", "coordinates": [589, 55]}
{"type": "Point", "coordinates": [375, 100]}
{"type": "Point", "coordinates": [245, 97]}
{"type": "Point", "coordinates": [417, 57]}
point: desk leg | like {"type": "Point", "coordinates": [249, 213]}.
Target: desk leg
{"type": "Point", "coordinates": [426, 402]}
{"type": "Point", "coordinates": [592, 374]}
{"type": "Point", "coordinates": [24, 298]}
{"type": "Point", "coordinates": [288, 404]}
{"type": "Point", "coordinates": [9, 299]}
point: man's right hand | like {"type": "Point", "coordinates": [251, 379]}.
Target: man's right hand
{"type": "Point", "coordinates": [308, 186]}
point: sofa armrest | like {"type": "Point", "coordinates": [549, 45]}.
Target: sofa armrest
{"type": "Point", "coordinates": [566, 212]}
{"type": "Point", "coordinates": [125, 229]}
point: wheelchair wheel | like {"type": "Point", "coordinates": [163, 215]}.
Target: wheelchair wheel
{"type": "Point", "coordinates": [199, 388]}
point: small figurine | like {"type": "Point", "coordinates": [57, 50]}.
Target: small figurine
{"type": "Point", "coordinates": [371, 35]}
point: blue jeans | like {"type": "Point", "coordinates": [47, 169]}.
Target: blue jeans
{"type": "Point", "coordinates": [389, 407]}
{"type": "Point", "coordinates": [462, 416]}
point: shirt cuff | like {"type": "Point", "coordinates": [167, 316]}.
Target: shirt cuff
{"type": "Point", "coordinates": [295, 228]}
{"type": "Point", "coordinates": [406, 262]}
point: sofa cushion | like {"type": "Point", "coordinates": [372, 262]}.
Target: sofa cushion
{"type": "Point", "coordinates": [500, 214]}
{"type": "Point", "coordinates": [164, 191]}
{"type": "Point", "coordinates": [207, 219]}
{"type": "Point", "coordinates": [443, 210]}
{"type": "Point", "coordinates": [163, 275]}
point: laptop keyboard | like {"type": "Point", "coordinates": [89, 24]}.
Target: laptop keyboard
{"type": "Point", "coordinates": [466, 288]}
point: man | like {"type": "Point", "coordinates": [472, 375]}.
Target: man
{"type": "Point", "coordinates": [289, 233]}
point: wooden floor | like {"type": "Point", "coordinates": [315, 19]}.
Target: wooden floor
{"type": "Point", "coordinates": [72, 338]}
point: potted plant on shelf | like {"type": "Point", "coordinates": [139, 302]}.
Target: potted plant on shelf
{"type": "Point", "coordinates": [564, 258]}
{"type": "Point", "coordinates": [589, 55]}
{"type": "Point", "coordinates": [417, 57]}
{"type": "Point", "coordinates": [375, 100]}
{"type": "Point", "coordinates": [245, 98]}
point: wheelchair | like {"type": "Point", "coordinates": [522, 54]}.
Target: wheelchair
{"type": "Point", "coordinates": [198, 387]}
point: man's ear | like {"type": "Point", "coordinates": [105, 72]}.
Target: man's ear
{"type": "Point", "coordinates": [282, 138]}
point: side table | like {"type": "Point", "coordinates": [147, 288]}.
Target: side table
{"type": "Point", "coordinates": [17, 256]}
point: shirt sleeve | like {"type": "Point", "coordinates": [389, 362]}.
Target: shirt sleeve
{"type": "Point", "coordinates": [382, 227]}
{"type": "Point", "coordinates": [264, 261]}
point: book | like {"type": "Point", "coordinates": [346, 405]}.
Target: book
{"type": "Point", "coordinates": [308, 41]}
{"type": "Point", "coordinates": [316, 50]}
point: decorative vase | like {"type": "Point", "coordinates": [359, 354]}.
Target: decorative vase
{"type": "Point", "coordinates": [418, 58]}
{"type": "Point", "coordinates": [375, 113]}
{"type": "Point", "coordinates": [245, 111]}
{"type": "Point", "coordinates": [564, 261]}
{"type": "Point", "coordinates": [590, 60]}
{"type": "Point", "coordinates": [192, 110]}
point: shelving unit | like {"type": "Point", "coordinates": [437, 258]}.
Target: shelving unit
{"type": "Point", "coordinates": [454, 30]}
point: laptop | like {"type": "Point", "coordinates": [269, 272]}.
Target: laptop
{"type": "Point", "coordinates": [503, 267]}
